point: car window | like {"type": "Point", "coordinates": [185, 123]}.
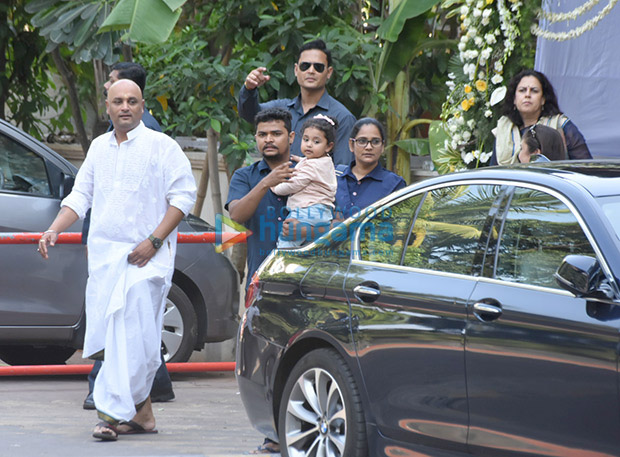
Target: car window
{"type": "Point", "coordinates": [449, 227]}
{"type": "Point", "coordinates": [382, 238]}
{"type": "Point", "coordinates": [538, 231]}
{"type": "Point", "coordinates": [21, 170]}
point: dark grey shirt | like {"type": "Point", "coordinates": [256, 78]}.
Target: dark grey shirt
{"type": "Point", "coordinates": [248, 107]}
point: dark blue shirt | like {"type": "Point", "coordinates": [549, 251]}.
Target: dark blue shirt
{"type": "Point", "coordinates": [353, 195]}
{"type": "Point", "coordinates": [267, 220]}
{"type": "Point", "coordinates": [248, 107]}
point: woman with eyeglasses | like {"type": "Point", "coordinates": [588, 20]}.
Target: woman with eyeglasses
{"type": "Point", "coordinates": [531, 100]}
{"type": "Point", "coordinates": [542, 144]}
{"type": "Point", "coordinates": [364, 181]}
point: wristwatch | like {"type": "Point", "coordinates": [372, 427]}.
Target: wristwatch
{"type": "Point", "coordinates": [156, 241]}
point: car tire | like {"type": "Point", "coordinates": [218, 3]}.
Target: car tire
{"type": "Point", "coordinates": [324, 376]}
{"type": "Point", "coordinates": [180, 332]}
{"type": "Point", "coordinates": [35, 355]}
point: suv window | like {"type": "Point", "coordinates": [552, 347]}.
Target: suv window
{"type": "Point", "coordinates": [538, 231]}
{"type": "Point", "coordinates": [21, 170]}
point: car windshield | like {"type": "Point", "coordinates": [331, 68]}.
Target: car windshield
{"type": "Point", "coordinates": [611, 209]}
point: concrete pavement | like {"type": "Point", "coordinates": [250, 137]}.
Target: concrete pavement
{"type": "Point", "coordinates": [43, 416]}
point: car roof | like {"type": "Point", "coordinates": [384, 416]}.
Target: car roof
{"type": "Point", "coordinates": [599, 177]}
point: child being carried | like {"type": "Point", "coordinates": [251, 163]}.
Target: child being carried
{"type": "Point", "coordinates": [312, 189]}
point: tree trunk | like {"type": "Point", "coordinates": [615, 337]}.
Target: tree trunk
{"type": "Point", "coordinates": [214, 171]}
{"type": "Point", "coordinates": [101, 76]}
{"type": "Point", "coordinates": [202, 186]}
{"type": "Point", "coordinates": [69, 79]}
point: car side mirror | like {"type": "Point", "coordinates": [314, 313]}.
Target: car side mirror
{"type": "Point", "coordinates": [582, 276]}
{"type": "Point", "coordinates": [66, 185]}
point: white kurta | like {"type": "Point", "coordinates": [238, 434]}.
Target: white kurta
{"type": "Point", "coordinates": [129, 187]}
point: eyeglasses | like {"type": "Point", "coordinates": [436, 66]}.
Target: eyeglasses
{"type": "Point", "coordinates": [319, 67]}
{"type": "Point", "coordinates": [363, 142]}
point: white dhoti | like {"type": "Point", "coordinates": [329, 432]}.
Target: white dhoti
{"type": "Point", "coordinates": [129, 329]}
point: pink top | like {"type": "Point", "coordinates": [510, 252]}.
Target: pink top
{"type": "Point", "coordinates": [314, 182]}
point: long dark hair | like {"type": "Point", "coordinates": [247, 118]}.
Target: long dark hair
{"type": "Point", "coordinates": [550, 107]}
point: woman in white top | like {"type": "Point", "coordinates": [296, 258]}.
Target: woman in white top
{"type": "Point", "coordinates": [312, 188]}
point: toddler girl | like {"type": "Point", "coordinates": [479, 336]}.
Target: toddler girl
{"type": "Point", "coordinates": [312, 188]}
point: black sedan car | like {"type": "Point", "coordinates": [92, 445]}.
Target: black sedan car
{"type": "Point", "coordinates": [476, 313]}
{"type": "Point", "coordinates": [42, 317]}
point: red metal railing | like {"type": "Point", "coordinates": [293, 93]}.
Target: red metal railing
{"type": "Point", "coordinates": [227, 238]}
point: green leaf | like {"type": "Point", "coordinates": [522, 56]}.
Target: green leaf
{"type": "Point", "coordinates": [414, 146]}
{"type": "Point", "coordinates": [148, 21]}
{"type": "Point", "coordinates": [437, 137]}
{"type": "Point", "coordinates": [406, 9]}
{"type": "Point", "coordinates": [216, 125]}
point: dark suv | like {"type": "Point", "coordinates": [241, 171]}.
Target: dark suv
{"type": "Point", "coordinates": [42, 302]}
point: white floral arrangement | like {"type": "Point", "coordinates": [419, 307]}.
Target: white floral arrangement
{"type": "Point", "coordinates": [489, 32]}
{"type": "Point", "coordinates": [571, 16]}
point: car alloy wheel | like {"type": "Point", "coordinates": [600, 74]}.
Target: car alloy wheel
{"type": "Point", "coordinates": [180, 332]}
{"type": "Point", "coordinates": [321, 412]}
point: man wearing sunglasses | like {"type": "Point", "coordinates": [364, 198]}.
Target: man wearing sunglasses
{"type": "Point", "coordinates": [313, 69]}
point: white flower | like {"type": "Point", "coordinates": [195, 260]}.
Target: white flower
{"type": "Point", "coordinates": [471, 123]}
{"type": "Point", "coordinates": [486, 12]}
{"type": "Point", "coordinates": [450, 85]}
{"type": "Point", "coordinates": [477, 12]}
{"type": "Point", "coordinates": [462, 46]}
{"type": "Point", "coordinates": [498, 66]}
{"type": "Point", "coordinates": [456, 137]}
{"type": "Point", "coordinates": [464, 10]}
{"type": "Point", "coordinates": [496, 79]}
{"type": "Point", "coordinates": [453, 127]}
{"type": "Point", "coordinates": [490, 38]}
{"type": "Point", "coordinates": [498, 95]}
{"type": "Point", "coordinates": [485, 156]}
{"type": "Point", "coordinates": [466, 135]}
{"type": "Point", "coordinates": [468, 158]}
{"type": "Point", "coordinates": [478, 41]}
{"type": "Point", "coordinates": [460, 120]}
{"type": "Point", "coordinates": [480, 4]}
{"type": "Point", "coordinates": [485, 21]}
{"type": "Point", "coordinates": [475, 153]}
{"type": "Point", "coordinates": [451, 75]}
{"type": "Point", "coordinates": [488, 113]}
{"type": "Point", "coordinates": [486, 53]}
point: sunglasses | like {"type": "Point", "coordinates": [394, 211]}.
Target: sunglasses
{"type": "Point", "coordinates": [319, 67]}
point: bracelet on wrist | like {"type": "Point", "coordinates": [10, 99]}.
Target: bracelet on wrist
{"type": "Point", "coordinates": [51, 231]}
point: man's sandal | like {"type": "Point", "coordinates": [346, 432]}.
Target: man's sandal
{"type": "Point", "coordinates": [108, 432]}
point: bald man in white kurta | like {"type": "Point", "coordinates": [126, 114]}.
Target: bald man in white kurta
{"type": "Point", "coordinates": [138, 183]}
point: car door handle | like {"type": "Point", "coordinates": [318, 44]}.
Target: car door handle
{"type": "Point", "coordinates": [486, 312]}
{"type": "Point", "coordinates": [367, 292]}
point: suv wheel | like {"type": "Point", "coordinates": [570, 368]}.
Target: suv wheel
{"type": "Point", "coordinates": [180, 332]}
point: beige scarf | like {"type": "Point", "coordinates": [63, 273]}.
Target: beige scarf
{"type": "Point", "coordinates": [508, 137]}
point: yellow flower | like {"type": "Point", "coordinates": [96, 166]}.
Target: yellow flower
{"type": "Point", "coordinates": [468, 89]}
{"type": "Point", "coordinates": [465, 105]}
{"type": "Point", "coordinates": [489, 2]}
{"type": "Point", "coordinates": [481, 85]}
{"type": "Point", "coordinates": [471, 101]}
{"type": "Point", "coordinates": [462, 17]}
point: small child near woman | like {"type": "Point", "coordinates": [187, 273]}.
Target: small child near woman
{"type": "Point", "coordinates": [312, 188]}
